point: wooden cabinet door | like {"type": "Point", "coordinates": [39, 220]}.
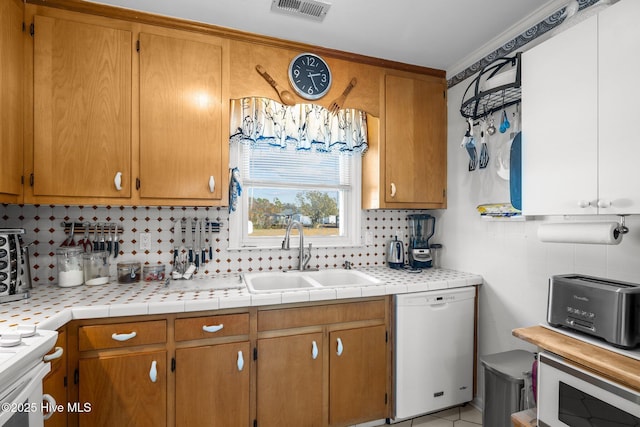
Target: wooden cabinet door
{"type": "Point", "coordinates": [55, 383]}
{"type": "Point", "coordinates": [415, 140]}
{"type": "Point", "coordinates": [124, 390]}
{"type": "Point", "coordinates": [11, 96]}
{"type": "Point", "coordinates": [82, 109]}
{"type": "Point", "coordinates": [560, 123]}
{"type": "Point", "coordinates": [357, 375]}
{"type": "Point", "coordinates": [212, 385]}
{"type": "Point", "coordinates": [289, 381]}
{"type": "Point", "coordinates": [618, 148]}
{"type": "Point", "coordinates": [180, 118]}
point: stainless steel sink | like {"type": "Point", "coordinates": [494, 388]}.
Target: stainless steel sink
{"type": "Point", "coordinates": [306, 280]}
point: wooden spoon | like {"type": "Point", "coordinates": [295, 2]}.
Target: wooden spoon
{"type": "Point", "coordinates": [285, 96]}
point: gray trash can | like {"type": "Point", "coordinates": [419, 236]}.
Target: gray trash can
{"type": "Point", "coordinates": [503, 385]}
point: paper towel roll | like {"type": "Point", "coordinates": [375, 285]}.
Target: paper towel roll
{"type": "Point", "coordinates": [602, 233]}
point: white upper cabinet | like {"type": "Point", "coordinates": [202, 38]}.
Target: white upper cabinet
{"type": "Point", "coordinates": [618, 94]}
{"type": "Point", "coordinates": [578, 149]}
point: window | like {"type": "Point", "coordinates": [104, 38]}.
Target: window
{"type": "Point", "coordinates": [319, 190]}
{"type": "Point", "coordinates": [297, 163]}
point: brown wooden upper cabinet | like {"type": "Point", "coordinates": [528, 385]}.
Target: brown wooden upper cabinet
{"type": "Point", "coordinates": [11, 96]}
{"type": "Point", "coordinates": [406, 166]}
{"type": "Point", "coordinates": [82, 109]}
{"type": "Point", "coordinates": [125, 113]}
{"type": "Point", "coordinates": [128, 108]}
{"type": "Point", "coordinates": [181, 120]}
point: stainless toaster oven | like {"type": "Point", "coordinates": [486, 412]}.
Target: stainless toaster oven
{"type": "Point", "coordinates": [15, 270]}
{"type": "Point", "coordinates": [608, 309]}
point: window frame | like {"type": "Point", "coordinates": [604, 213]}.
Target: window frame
{"type": "Point", "coordinates": [239, 238]}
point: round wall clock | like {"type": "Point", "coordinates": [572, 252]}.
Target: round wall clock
{"type": "Point", "coordinates": [309, 76]}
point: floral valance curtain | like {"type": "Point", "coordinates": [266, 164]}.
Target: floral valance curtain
{"type": "Point", "coordinates": [307, 127]}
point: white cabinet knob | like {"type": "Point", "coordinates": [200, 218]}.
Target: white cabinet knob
{"type": "Point", "coordinates": [212, 184]}
{"type": "Point", "coordinates": [393, 190]}
{"type": "Point", "coordinates": [314, 350]}
{"type": "Point", "coordinates": [117, 181]}
{"type": "Point", "coordinates": [602, 203]}
{"type": "Point", "coordinates": [584, 204]}
{"type": "Point", "coordinates": [340, 347]}
{"type": "Point", "coordinates": [153, 372]}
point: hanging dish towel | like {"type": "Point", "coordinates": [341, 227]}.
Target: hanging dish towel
{"type": "Point", "coordinates": [235, 189]}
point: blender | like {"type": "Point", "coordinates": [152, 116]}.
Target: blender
{"type": "Point", "coordinates": [421, 227]}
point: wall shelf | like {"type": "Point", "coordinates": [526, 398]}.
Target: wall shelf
{"type": "Point", "coordinates": [496, 87]}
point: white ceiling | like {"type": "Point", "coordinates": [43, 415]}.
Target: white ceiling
{"type": "Point", "coordinates": [443, 34]}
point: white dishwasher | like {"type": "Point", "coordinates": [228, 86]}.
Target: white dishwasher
{"type": "Point", "coordinates": [433, 350]}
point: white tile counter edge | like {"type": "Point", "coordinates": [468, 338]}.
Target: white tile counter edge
{"type": "Point", "coordinates": [51, 307]}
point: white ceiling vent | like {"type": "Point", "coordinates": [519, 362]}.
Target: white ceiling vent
{"type": "Point", "coordinates": [310, 9]}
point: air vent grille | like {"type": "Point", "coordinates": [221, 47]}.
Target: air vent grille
{"type": "Point", "coordinates": [310, 9]}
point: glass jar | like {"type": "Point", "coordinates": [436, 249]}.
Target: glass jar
{"type": "Point", "coordinates": [151, 273]}
{"type": "Point", "coordinates": [70, 270]}
{"type": "Point", "coordinates": [129, 271]}
{"type": "Point", "coordinates": [96, 268]}
{"type": "Point", "coordinates": [436, 255]}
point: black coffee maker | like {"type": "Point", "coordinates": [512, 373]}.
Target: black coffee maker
{"type": "Point", "coordinates": [421, 227]}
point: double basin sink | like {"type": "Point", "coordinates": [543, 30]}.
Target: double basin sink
{"type": "Point", "coordinates": [292, 280]}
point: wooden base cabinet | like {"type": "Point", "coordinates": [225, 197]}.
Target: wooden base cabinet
{"type": "Point", "coordinates": [357, 375]}
{"type": "Point", "coordinates": [124, 390]}
{"type": "Point", "coordinates": [121, 374]}
{"type": "Point", "coordinates": [212, 371]}
{"type": "Point", "coordinates": [289, 381]}
{"type": "Point", "coordinates": [323, 365]}
{"type": "Point", "coordinates": [212, 385]}
{"type": "Point", "coordinates": [55, 383]}
{"type": "Point", "coordinates": [308, 364]}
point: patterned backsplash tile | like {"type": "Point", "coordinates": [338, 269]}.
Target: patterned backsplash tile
{"type": "Point", "coordinates": [43, 226]}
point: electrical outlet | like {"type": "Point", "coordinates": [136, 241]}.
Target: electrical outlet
{"type": "Point", "coordinates": [145, 241]}
{"type": "Point", "coordinates": [368, 238]}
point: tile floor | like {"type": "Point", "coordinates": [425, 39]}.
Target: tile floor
{"type": "Point", "coordinates": [462, 416]}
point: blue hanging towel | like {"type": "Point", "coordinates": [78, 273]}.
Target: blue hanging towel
{"type": "Point", "coordinates": [235, 189]}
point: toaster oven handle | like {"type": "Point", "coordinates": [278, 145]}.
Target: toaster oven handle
{"type": "Point", "coordinates": [578, 325]}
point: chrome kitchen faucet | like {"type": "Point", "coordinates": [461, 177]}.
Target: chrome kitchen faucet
{"type": "Point", "coordinates": [303, 258]}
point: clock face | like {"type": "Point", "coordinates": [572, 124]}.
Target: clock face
{"type": "Point", "coordinates": [309, 76]}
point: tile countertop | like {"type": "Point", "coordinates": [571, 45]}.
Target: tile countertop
{"type": "Point", "coordinates": [51, 307]}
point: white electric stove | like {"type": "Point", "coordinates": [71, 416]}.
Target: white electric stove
{"type": "Point", "coordinates": [22, 369]}
{"type": "Point", "coordinates": [21, 347]}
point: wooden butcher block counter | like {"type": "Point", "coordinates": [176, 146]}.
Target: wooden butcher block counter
{"type": "Point", "coordinates": [622, 369]}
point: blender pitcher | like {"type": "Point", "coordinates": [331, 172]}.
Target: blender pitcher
{"type": "Point", "coordinates": [421, 227]}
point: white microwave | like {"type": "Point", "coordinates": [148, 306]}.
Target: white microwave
{"type": "Point", "coordinates": [572, 396]}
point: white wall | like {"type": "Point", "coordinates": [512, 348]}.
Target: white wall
{"type": "Point", "coordinates": [515, 265]}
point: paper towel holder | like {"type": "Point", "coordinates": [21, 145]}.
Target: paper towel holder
{"type": "Point", "coordinates": [622, 228]}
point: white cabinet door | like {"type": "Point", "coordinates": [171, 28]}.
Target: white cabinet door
{"type": "Point", "coordinates": [619, 120]}
{"type": "Point", "coordinates": [560, 123]}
